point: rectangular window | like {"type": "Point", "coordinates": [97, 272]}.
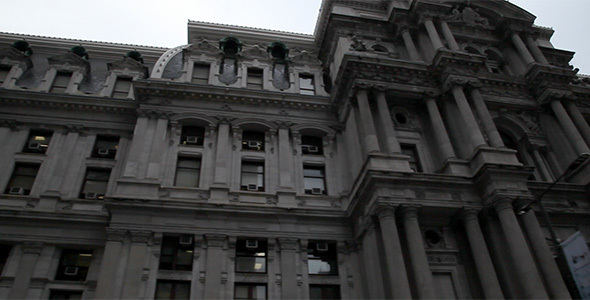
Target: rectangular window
{"type": "Point", "coordinates": [314, 180]}
{"type": "Point", "coordinates": [200, 73]}
{"type": "Point", "coordinates": [317, 291]}
{"type": "Point", "coordinates": [38, 141]}
{"type": "Point", "coordinates": [306, 84]}
{"type": "Point", "coordinates": [252, 176]}
{"type": "Point", "coordinates": [177, 253]}
{"type": "Point", "coordinates": [23, 177]}
{"type": "Point", "coordinates": [169, 289]}
{"type": "Point", "coordinates": [73, 265]}
{"type": "Point", "coordinates": [250, 291]}
{"type": "Point", "coordinates": [188, 170]}
{"type": "Point", "coordinates": [95, 183]}
{"type": "Point", "coordinates": [192, 135]}
{"type": "Point", "coordinates": [312, 145]}
{"type": "Point", "coordinates": [251, 256]}
{"type": "Point", "coordinates": [253, 140]}
{"type": "Point", "coordinates": [61, 82]}
{"type": "Point", "coordinates": [65, 295]}
{"type": "Point", "coordinates": [106, 146]}
{"type": "Point", "coordinates": [254, 80]}
{"type": "Point", "coordinates": [122, 87]}
{"type": "Point", "coordinates": [321, 257]}
{"type": "Point", "coordinates": [411, 151]}
{"type": "Point", "coordinates": [4, 70]}
{"type": "Point", "coordinates": [4, 253]}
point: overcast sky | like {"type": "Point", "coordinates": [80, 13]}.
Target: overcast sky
{"type": "Point", "coordinates": [163, 23]}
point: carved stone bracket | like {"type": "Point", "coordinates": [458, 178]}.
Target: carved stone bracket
{"type": "Point", "coordinates": [288, 244]}
{"type": "Point", "coordinates": [454, 80]}
{"type": "Point", "coordinates": [116, 235]}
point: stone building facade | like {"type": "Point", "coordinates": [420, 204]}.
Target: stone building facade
{"type": "Point", "coordinates": [398, 152]}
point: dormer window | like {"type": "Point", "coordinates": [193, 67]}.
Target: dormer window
{"type": "Point", "coordinates": [61, 82]}
{"type": "Point", "coordinates": [306, 84]}
{"type": "Point", "coordinates": [122, 87]}
{"type": "Point", "coordinates": [253, 140]}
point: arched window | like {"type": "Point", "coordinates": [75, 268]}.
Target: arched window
{"type": "Point", "coordinates": [494, 62]}
{"type": "Point", "coordinates": [230, 47]}
{"type": "Point", "coordinates": [280, 71]}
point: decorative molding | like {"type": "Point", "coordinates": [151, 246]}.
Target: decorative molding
{"type": "Point", "coordinates": [140, 236]}
{"type": "Point", "coordinates": [116, 235]}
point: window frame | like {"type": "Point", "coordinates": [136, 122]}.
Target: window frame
{"type": "Point", "coordinates": [32, 138]}
{"type": "Point", "coordinates": [196, 171]}
{"type": "Point", "coordinates": [304, 89]}
{"type": "Point", "coordinates": [105, 143]}
{"type": "Point", "coordinates": [309, 190]}
{"type": "Point", "coordinates": [61, 75]}
{"type": "Point", "coordinates": [258, 164]}
{"type": "Point", "coordinates": [309, 141]}
{"type": "Point", "coordinates": [16, 176]}
{"type": "Point", "coordinates": [118, 91]}
{"type": "Point", "coordinates": [253, 136]}
{"type": "Point", "coordinates": [205, 68]}
{"type": "Point", "coordinates": [95, 171]}
{"type": "Point", "coordinates": [243, 252]}
{"type": "Point", "coordinates": [189, 133]}
{"type": "Point", "coordinates": [174, 242]}
{"type": "Point", "coordinates": [81, 270]}
{"type": "Point", "coordinates": [329, 257]}
{"type": "Point", "coordinates": [173, 289]}
{"type": "Point", "coordinates": [255, 73]}
{"type": "Point", "coordinates": [249, 284]}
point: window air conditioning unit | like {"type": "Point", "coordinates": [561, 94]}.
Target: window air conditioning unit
{"type": "Point", "coordinates": [251, 244]}
{"type": "Point", "coordinates": [90, 195]}
{"type": "Point", "coordinates": [317, 191]}
{"type": "Point", "coordinates": [72, 271]}
{"type": "Point", "coordinates": [192, 140]}
{"type": "Point", "coordinates": [103, 152]}
{"type": "Point", "coordinates": [16, 191]}
{"type": "Point", "coordinates": [321, 246]}
{"type": "Point", "coordinates": [252, 187]}
{"type": "Point", "coordinates": [312, 149]}
{"type": "Point", "coordinates": [185, 240]}
{"type": "Point", "coordinates": [253, 144]}
{"type": "Point", "coordinates": [34, 146]}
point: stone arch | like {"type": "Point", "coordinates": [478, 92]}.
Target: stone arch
{"type": "Point", "coordinates": [319, 130]}
{"type": "Point", "coordinates": [254, 124]}
{"type": "Point", "coordinates": [193, 119]}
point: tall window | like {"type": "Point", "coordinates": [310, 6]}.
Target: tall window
{"type": "Point", "coordinates": [4, 70]}
{"type": "Point", "coordinates": [188, 170]}
{"type": "Point", "coordinates": [106, 146]}
{"type": "Point", "coordinates": [73, 265]}
{"type": "Point", "coordinates": [4, 253]}
{"type": "Point", "coordinates": [314, 180]}
{"type": "Point", "coordinates": [200, 73]}
{"type": "Point", "coordinates": [410, 150]}
{"type": "Point", "coordinates": [177, 253]}
{"type": "Point", "coordinates": [252, 176]}
{"type": "Point", "coordinates": [38, 141]}
{"type": "Point", "coordinates": [321, 257]}
{"type": "Point", "coordinates": [312, 145]}
{"type": "Point", "coordinates": [23, 177]}
{"type": "Point", "coordinates": [306, 84]}
{"type": "Point", "coordinates": [192, 135]}
{"type": "Point", "coordinates": [317, 291]}
{"type": "Point", "coordinates": [170, 289]}
{"type": "Point", "coordinates": [254, 80]}
{"type": "Point", "coordinates": [61, 82]}
{"type": "Point", "coordinates": [248, 291]}
{"type": "Point", "coordinates": [65, 295]}
{"type": "Point", "coordinates": [251, 256]}
{"type": "Point", "coordinates": [95, 183]}
{"type": "Point", "coordinates": [122, 87]}
{"type": "Point", "coordinates": [253, 140]}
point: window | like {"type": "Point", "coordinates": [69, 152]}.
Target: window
{"type": "Point", "coordinates": [23, 177]}
{"type": "Point", "coordinates": [65, 295]}
{"type": "Point", "coordinates": [494, 62]}
{"type": "Point", "coordinates": [314, 180]}
{"type": "Point", "coordinates": [4, 70]}
{"type": "Point", "coordinates": [254, 80]}
{"type": "Point", "coordinates": [73, 265]}
{"type": "Point", "coordinates": [251, 256]}
{"type": "Point", "coordinates": [250, 291]}
{"type": "Point", "coordinates": [177, 253]}
{"type": "Point", "coordinates": [192, 135]}
{"type": "Point", "coordinates": [188, 170]}
{"type": "Point", "coordinates": [200, 73]}
{"type": "Point", "coordinates": [105, 146]}
{"type": "Point", "coordinates": [168, 289]}
{"type": "Point", "coordinates": [321, 258]}
{"type": "Point", "coordinates": [122, 87]}
{"type": "Point", "coordinates": [306, 85]}
{"type": "Point", "coordinates": [317, 291]}
{"type": "Point", "coordinates": [253, 140]}
{"type": "Point", "coordinates": [38, 141]}
{"type": "Point", "coordinates": [4, 253]}
{"type": "Point", "coordinates": [95, 183]}
{"type": "Point", "coordinates": [252, 176]}
{"type": "Point", "coordinates": [410, 150]}
{"type": "Point", "coordinates": [60, 84]}
{"type": "Point", "coordinates": [312, 145]}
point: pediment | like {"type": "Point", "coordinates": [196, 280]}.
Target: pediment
{"type": "Point", "coordinates": [304, 57]}
{"type": "Point", "coordinates": [12, 55]}
{"type": "Point", "coordinates": [255, 51]}
{"type": "Point", "coordinates": [130, 64]}
{"type": "Point", "coordinates": [69, 60]}
{"type": "Point", "coordinates": [202, 46]}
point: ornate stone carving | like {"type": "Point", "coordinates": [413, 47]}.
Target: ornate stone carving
{"type": "Point", "coordinates": [468, 16]}
{"type": "Point", "coordinates": [32, 248]}
{"type": "Point", "coordinates": [10, 123]}
{"type": "Point", "coordinates": [288, 244]}
{"type": "Point", "coordinates": [115, 235]}
{"type": "Point", "coordinates": [442, 259]}
{"type": "Point", "coordinates": [357, 45]}
{"type": "Point", "coordinates": [215, 241]}
{"type": "Point", "coordinates": [140, 236]}
{"type": "Point", "coordinates": [128, 63]}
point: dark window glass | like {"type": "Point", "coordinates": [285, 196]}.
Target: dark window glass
{"type": "Point", "coordinates": [23, 177]}
{"type": "Point", "coordinates": [188, 170]}
{"type": "Point", "coordinates": [250, 291]}
{"type": "Point", "coordinates": [95, 183]}
{"type": "Point", "coordinates": [317, 291]}
{"type": "Point", "coordinates": [177, 253]}
{"type": "Point", "coordinates": [65, 295]}
{"type": "Point", "coordinates": [410, 150]}
{"type": "Point", "coordinates": [61, 81]}
{"type": "Point", "coordinates": [200, 73]}
{"type": "Point", "coordinates": [306, 85]}
{"type": "Point", "coordinates": [314, 180]}
{"type": "Point", "coordinates": [192, 135]}
{"type": "Point", "coordinates": [106, 146]}
{"type": "Point", "coordinates": [252, 176]}
{"type": "Point", "coordinates": [254, 80]}
{"type": "Point", "coordinates": [321, 257]}
{"type": "Point", "coordinates": [4, 253]}
{"type": "Point", "coordinates": [4, 70]}
{"type": "Point", "coordinates": [168, 289]}
{"type": "Point", "coordinates": [312, 145]}
{"type": "Point", "coordinates": [73, 265]}
{"type": "Point", "coordinates": [251, 256]}
{"type": "Point", "coordinates": [38, 141]}
{"type": "Point", "coordinates": [122, 87]}
{"type": "Point", "coordinates": [253, 140]}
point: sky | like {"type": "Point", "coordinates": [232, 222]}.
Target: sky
{"type": "Point", "coordinates": [163, 23]}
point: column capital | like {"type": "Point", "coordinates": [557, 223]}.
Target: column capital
{"type": "Point", "coordinates": [468, 214]}
{"type": "Point", "coordinates": [430, 95]}
{"type": "Point", "coordinates": [403, 28]}
{"type": "Point", "coordinates": [32, 248]}
{"type": "Point", "coordinates": [115, 234]}
{"type": "Point", "coordinates": [288, 244]}
{"type": "Point", "coordinates": [409, 211]}
{"type": "Point", "coordinates": [462, 81]}
{"type": "Point", "coordinates": [385, 212]}
{"type": "Point", "coordinates": [215, 241]}
{"type": "Point", "coordinates": [140, 236]}
{"type": "Point", "coordinates": [502, 203]}
{"type": "Point", "coordinates": [551, 94]}
{"type": "Point", "coordinates": [425, 17]}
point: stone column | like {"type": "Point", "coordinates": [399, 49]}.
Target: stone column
{"type": "Point", "coordinates": [440, 132]}
{"type": "Point", "coordinates": [432, 33]}
{"type": "Point", "coordinates": [285, 159]}
{"type": "Point", "coordinates": [541, 163]}
{"type": "Point", "coordinates": [522, 49]}
{"type": "Point", "coordinates": [578, 120]}
{"type": "Point", "coordinates": [398, 280]}
{"type": "Point", "coordinates": [135, 264]}
{"type": "Point", "coordinates": [418, 259]}
{"type": "Point", "coordinates": [467, 115]}
{"type": "Point", "coordinates": [132, 165]}
{"type": "Point", "coordinates": [370, 142]}
{"type": "Point", "coordinates": [448, 34]}
{"type": "Point", "coordinates": [213, 266]}
{"type": "Point", "coordinates": [410, 46]}
{"type": "Point", "coordinates": [288, 268]}
{"type": "Point", "coordinates": [524, 265]}
{"type": "Point", "coordinates": [385, 118]}
{"type": "Point", "coordinates": [486, 119]}
{"type": "Point", "coordinates": [222, 154]}
{"type": "Point", "coordinates": [535, 51]}
{"type": "Point", "coordinates": [372, 265]}
{"type": "Point", "coordinates": [26, 267]}
{"type": "Point", "coordinates": [553, 280]}
{"type": "Point", "coordinates": [158, 144]}
{"type": "Point", "coordinates": [109, 263]}
{"type": "Point", "coordinates": [569, 128]}
{"type": "Point", "coordinates": [481, 256]}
